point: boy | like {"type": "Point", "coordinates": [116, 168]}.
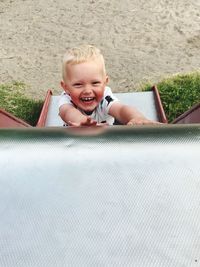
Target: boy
{"type": "Point", "coordinates": [86, 100]}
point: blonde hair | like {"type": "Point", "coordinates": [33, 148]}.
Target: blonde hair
{"type": "Point", "coordinates": [81, 54]}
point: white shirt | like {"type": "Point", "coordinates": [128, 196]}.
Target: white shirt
{"type": "Point", "coordinates": [100, 114]}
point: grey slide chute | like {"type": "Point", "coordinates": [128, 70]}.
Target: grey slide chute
{"type": "Point", "coordinates": [115, 196]}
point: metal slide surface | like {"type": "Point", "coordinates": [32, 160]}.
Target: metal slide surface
{"type": "Point", "coordinates": [119, 196]}
{"type": "Point", "coordinates": [143, 101]}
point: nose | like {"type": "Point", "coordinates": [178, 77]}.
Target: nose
{"type": "Point", "coordinates": [88, 89]}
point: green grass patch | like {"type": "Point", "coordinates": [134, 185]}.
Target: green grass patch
{"type": "Point", "coordinates": [13, 100]}
{"type": "Point", "coordinates": [178, 93]}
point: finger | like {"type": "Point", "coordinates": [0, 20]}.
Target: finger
{"type": "Point", "coordinates": [90, 121]}
{"type": "Point", "coordinates": [130, 123]}
{"type": "Point", "coordinates": [70, 123]}
{"type": "Point", "coordinates": [93, 122]}
{"type": "Point", "coordinates": [102, 124]}
{"type": "Point", "coordinates": [138, 122]}
{"type": "Point", "coordinates": [152, 122]}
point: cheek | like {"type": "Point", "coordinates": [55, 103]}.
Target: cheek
{"type": "Point", "coordinates": [75, 98]}
{"type": "Point", "coordinates": [74, 95]}
{"type": "Point", "coordinates": [100, 93]}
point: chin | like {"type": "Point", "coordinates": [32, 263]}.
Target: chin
{"type": "Point", "coordinates": [89, 108]}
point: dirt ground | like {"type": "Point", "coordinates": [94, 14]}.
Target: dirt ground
{"type": "Point", "coordinates": [141, 40]}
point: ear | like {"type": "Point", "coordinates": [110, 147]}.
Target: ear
{"type": "Point", "coordinates": [107, 79]}
{"type": "Point", "coordinates": [64, 86]}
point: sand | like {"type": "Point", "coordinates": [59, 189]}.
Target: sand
{"type": "Point", "coordinates": [142, 41]}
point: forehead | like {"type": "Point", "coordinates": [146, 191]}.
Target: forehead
{"type": "Point", "coordinates": [97, 61]}
{"type": "Point", "coordinates": [88, 68]}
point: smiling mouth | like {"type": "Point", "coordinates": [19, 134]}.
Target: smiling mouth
{"type": "Point", "coordinates": [87, 99]}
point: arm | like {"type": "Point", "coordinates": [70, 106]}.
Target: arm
{"type": "Point", "coordinates": [73, 117]}
{"type": "Point", "coordinates": [128, 115]}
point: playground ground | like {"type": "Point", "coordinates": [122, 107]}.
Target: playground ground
{"type": "Point", "coordinates": [141, 40]}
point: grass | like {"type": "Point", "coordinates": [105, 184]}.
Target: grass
{"type": "Point", "coordinates": [13, 100]}
{"type": "Point", "coordinates": [178, 93]}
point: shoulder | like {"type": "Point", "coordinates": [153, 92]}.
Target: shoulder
{"type": "Point", "coordinates": [107, 91]}
{"type": "Point", "coordinates": [64, 99]}
{"type": "Point", "coordinates": [108, 100]}
{"type": "Point", "coordinates": [109, 96]}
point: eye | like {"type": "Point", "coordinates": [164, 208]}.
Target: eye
{"type": "Point", "coordinates": [96, 83]}
{"type": "Point", "coordinates": [77, 85]}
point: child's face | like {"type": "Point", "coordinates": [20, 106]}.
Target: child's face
{"type": "Point", "coordinates": [85, 84]}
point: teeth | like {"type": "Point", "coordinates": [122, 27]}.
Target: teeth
{"type": "Point", "coordinates": [87, 98]}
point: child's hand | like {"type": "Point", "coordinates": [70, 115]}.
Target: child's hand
{"type": "Point", "coordinates": [88, 122]}
{"type": "Point", "coordinates": [142, 121]}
